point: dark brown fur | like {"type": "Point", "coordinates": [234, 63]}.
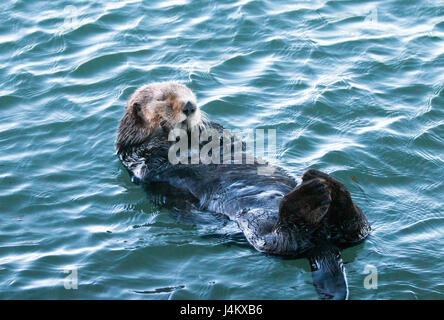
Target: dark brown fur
{"type": "Point", "coordinates": [133, 129]}
{"type": "Point", "coordinates": [313, 219]}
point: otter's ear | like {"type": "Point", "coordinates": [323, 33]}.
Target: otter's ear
{"type": "Point", "coordinates": [137, 109]}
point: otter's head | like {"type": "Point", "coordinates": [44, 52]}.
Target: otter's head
{"type": "Point", "coordinates": [160, 105]}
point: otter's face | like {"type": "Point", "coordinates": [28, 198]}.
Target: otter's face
{"type": "Point", "coordinates": [166, 105]}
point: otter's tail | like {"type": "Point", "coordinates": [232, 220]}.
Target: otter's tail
{"type": "Point", "coordinates": [328, 272]}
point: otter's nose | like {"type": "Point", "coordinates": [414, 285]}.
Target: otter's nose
{"type": "Point", "coordinates": [189, 109]}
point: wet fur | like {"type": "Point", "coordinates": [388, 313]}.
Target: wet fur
{"type": "Point", "coordinates": [277, 217]}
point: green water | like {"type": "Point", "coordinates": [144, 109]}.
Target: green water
{"type": "Point", "coordinates": [354, 88]}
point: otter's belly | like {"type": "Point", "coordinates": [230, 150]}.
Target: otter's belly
{"type": "Point", "coordinates": [242, 195]}
{"type": "Point", "coordinates": [228, 189]}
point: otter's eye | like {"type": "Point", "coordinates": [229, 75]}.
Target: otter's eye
{"type": "Point", "coordinates": [137, 106]}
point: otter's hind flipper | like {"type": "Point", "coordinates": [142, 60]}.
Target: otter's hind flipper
{"type": "Point", "coordinates": [328, 272]}
{"type": "Point", "coordinates": [345, 220]}
{"type": "Point", "coordinates": [306, 205]}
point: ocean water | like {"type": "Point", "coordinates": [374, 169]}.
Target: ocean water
{"type": "Point", "coordinates": [353, 88]}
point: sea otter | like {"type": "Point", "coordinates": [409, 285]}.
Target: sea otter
{"type": "Point", "coordinates": [314, 219]}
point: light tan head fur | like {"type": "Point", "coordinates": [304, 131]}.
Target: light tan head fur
{"type": "Point", "coordinates": [158, 105]}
